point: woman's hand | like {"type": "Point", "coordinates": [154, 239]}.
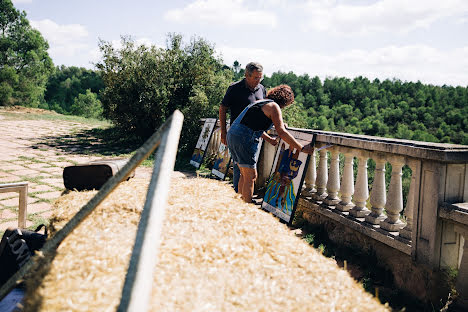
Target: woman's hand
{"type": "Point", "coordinates": [274, 141]}
{"type": "Point", "coordinates": [308, 149]}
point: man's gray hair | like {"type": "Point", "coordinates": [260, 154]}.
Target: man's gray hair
{"type": "Point", "coordinates": [253, 66]}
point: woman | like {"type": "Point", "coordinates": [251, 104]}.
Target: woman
{"type": "Point", "coordinates": [244, 134]}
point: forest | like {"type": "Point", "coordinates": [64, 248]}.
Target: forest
{"type": "Point", "coordinates": [138, 87]}
{"type": "Point", "coordinates": [389, 108]}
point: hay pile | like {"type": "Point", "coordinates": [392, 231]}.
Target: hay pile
{"type": "Point", "coordinates": [216, 254]}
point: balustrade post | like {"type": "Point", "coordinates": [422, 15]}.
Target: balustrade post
{"type": "Point", "coordinates": [361, 193]}
{"type": "Point", "coordinates": [347, 183]}
{"type": "Point", "coordinates": [310, 177]}
{"type": "Point", "coordinates": [333, 184]}
{"type": "Point", "coordinates": [218, 140]}
{"type": "Point", "coordinates": [322, 176]}
{"type": "Point", "coordinates": [378, 194]}
{"type": "Point", "coordinates": [406, 232]}
{"type": "Point", "coordinates": [212, 147]}
{"type": "Point", "coordinates": [394, 205]}
{"type": "Point", "coordinates": [462, 277]}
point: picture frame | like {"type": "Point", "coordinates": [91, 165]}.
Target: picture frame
{"type": "Point", "coordinates": [286, 178]}
{"type": "Point", "coordinates": [205, 135]}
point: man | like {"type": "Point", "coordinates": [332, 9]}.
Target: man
{"type": "Point", "coordinates": [238, 96]}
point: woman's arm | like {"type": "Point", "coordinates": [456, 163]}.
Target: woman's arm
{"type": "Point", "coordinates": [273, 111]}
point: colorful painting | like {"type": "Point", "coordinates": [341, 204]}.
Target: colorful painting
{"type": "Point", "coordinates": [202, 143]}
{"type": "Point", "coordinates": [221, 163]}
{"type": "Point", "coordinates": [286, 178]}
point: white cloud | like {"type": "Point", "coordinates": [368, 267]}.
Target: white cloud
{"type": "Point", "coordinates": [381, 16]}
{"type": "Point", "coordinates": [221, 12]}
{"type": "Point", "coordinates": [64, 40]}
{"type": "Point", "coordinates": [407, 63]}
{"type": "Point", "coordinates": [21, 1]}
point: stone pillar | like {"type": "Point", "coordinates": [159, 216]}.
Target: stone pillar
{"type": "Point", "coordinates": [361, 193]}
{"type": "Point", "coordinates": [394, 205]}
{"type": "Point", "coordinates": [406, 232]}
{"type": "Point", "coordinates": [310, 177]}
{"type": "Point", "coordinates": [347, 183]}
{"type": "Point", "coordinates": [333, 184]}
{"type": "Point", "coordinates": [264, 164]}
{"type": "Point", "coordinates": [462, 277]}
{"type": "Point", "coordinates": [378, 194]}
{"type": "Point", "coordinates": [322, 176]}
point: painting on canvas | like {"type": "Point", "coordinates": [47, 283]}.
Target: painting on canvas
{"type": "Point", "coordinates": [202, 143]}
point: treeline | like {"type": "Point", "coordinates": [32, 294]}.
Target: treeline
{"type": "Point", "coordinates": [389, 108]}
{"type": "Point", "coordinates": [28, 76]}
{"type": "Point", "coordinates": [74, 90]}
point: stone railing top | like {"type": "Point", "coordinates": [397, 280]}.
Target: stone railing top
{"type": "Point", "coordinates": [457, 212]}
{"type": "Point", "coordinates": [452, 153]}
{"type": "Point", "coordinates": [426, 150]}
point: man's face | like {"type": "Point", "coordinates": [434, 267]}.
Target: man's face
{"type": "Point", "coordinates": [253, 80]}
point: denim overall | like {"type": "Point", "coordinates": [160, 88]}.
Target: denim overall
{"type": "Point", "coordinates": [243, 142]}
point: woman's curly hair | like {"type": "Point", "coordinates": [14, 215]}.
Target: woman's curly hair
{"type": "Point", "coordinates": [283, 95]}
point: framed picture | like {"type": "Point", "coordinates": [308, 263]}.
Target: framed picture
{"type": "Point", "coordinates": [286, 178]}
{"type": "Point", "coordinates": [222, 159]}
{"type": "Point", "coordinates": [202, 143]}
{"type": "Point", "coordinates": [221, 163]}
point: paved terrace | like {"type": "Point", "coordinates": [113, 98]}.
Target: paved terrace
{"type": "Point", "coordinates": [36, 151]}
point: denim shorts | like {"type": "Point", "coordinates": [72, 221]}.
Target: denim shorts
{"type": "Point", "coordinates": [243, 143]}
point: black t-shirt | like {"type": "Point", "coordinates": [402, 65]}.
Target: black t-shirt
{"type": "Point", "coordinates": [255, 118]}
{"type": "Point", "coordinates": [238, 96]}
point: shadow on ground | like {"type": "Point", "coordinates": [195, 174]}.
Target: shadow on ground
{"type": "Point", "coordinates": [107, 142]}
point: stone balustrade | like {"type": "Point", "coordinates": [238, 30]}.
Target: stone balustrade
{"type": "Point", "coordinates": [428, 229]}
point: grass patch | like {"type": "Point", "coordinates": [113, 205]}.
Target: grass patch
{"type": "Point", "coordinates": [36, 179]}
{"type": "Point", "coordinates": [55, 116]}
{"type": "Point", "coordinates": [44, 200]}
{"type": "Point", "coordinates": [37, 220]}
{"type": "Point", "coordinates": [30, 159]}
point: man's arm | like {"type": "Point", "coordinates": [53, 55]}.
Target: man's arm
{"type": "Point", "coordinates": [222, 122]}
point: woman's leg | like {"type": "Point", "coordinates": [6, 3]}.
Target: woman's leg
{"type": "Point", "coordinates": [248, 177]}
{"type": "Point", "coordinates": [240, 184]}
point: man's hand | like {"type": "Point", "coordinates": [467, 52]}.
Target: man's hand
{"type": "Point", "coordinates": [223, 137]}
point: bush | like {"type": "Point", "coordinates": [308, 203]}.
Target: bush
{"type": "Point", "coordinates": [87, 105]}
{"type": "Point", "coordinates": [144, 85]}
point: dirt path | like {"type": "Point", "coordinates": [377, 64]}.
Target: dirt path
{"type": "Point", "coordinates": [36, 151]}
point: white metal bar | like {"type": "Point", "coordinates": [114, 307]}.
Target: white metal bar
{"type": "Point", "coordinates": [139, 280]}
{"type": "Point", "coordinates": [22, 189]}
{"type": "Point", "coordinates": [51, 245]}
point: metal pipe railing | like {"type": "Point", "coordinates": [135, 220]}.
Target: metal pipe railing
{"type": "Point", "coordinates": [139, 280]}
{"type": "Point", "coordinates": [141, 154]}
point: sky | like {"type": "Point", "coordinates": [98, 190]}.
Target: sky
{"type": "Point", "coordinates": [410, 40]}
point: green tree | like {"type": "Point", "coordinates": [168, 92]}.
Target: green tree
{"type": "Point", "coordinates": [23, 59]}
{"type": "Point", "coordinates": [66, 83]}
{"type": "Point", "coordinates": [87, 105]}
{"type": "Point", "coordinates": [144, 85]}
{"type": "Point", "coordinates": [238, 70]}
